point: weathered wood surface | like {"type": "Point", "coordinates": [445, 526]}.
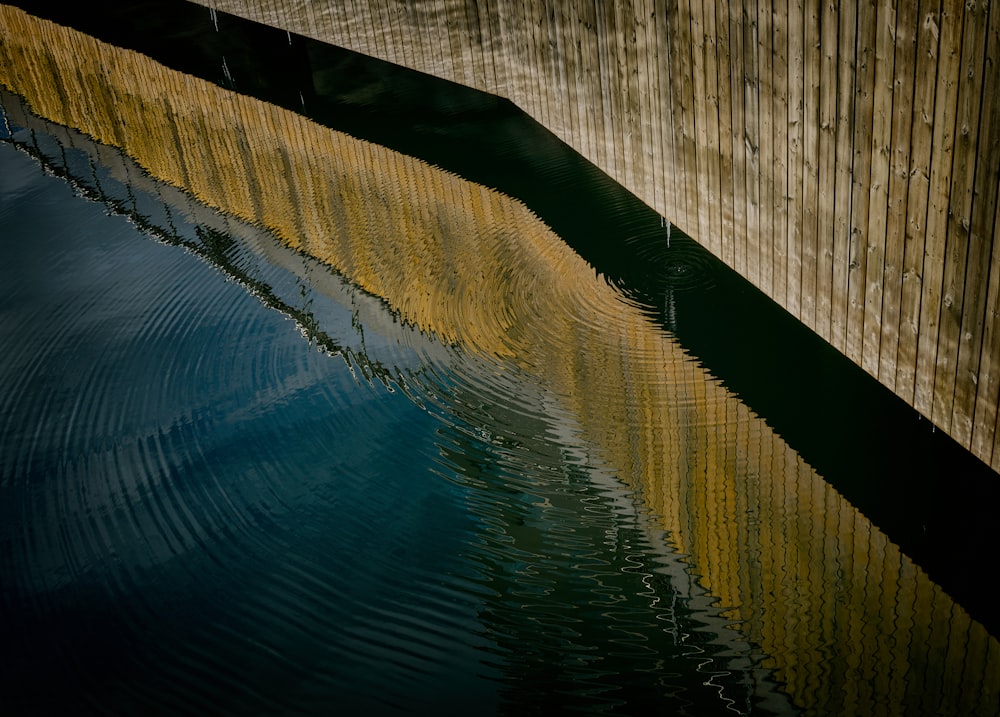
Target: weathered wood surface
{"type": "Point", "coordinates": [841, 156]}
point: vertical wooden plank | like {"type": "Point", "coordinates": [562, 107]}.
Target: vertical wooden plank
{"type": "Point", "coordinates": [486, 16]}
{"type": "Point", "coordinates": [683, 97]}
{"type": "Point", "coordinates": [567, 68]}
{"type": "Point", "coordinates": [618, 90]}
{"type": "Point", "coordinates": [424, 37]}
{"type": "Point", "coordinates": [983, 234]}
{"type": "Point", "coordinates": [632, 104]}
{"type": "Point", "coordinates": [866, 247]}
{"type": "Point", "coordinates": [591, 91]}
{"type": "Point", "coordinates": [567, 73]}
{"type": "Point", "coordinates": [647, 188]}
{"type": "Point", "coordinates": [665, 157]}
{"type": "Point", "coordinates": [424, 24]}
{"type": "Point", "coordinates": [843, 158]}
{"type": "Point", "coordinates": [638, 96]}
{"type": "Point", "coordinates": [811, 166]}
{"type": "Point", "coordinates": [946, 98]}
{"type": "Point", "coordinates": [828, 75]}
{"type": "Point", "coordinates": [477, 29]}
{"type": "Point", "coordinates": [988, 186]}
{"type": "Point", "coordinates": [780, 132]}
{"type": "Point", "coordinates": [699, 55]}
{"type": "Point", "coordinates": [594, 48]}
{"type": "Point", "coordinates": [499, 39]}
{"type": "Point", "coordinates": [521, 53]}
{"type": "Point", "coordinates": [536, 75]}
{"type": "Point", "coordinates": [591, 94]}
{"type": "Point", "coordinates": [904, 67]}
{"type": "Point", "coordinates": [917, 193]}
{"type": "Point", "coordinates": [451, 37]}
{"type": "Point", "coordinates": [725, 101]}
{"type": "Point", "coordinates": [765, 155]}
{"type": "Point", "coordinates": [463, 20]}
{"type": "Point", "coordinates": [715, 139]}
{"type": "Point", "coordinates": [507, 30]}
{"type": "Point", "coordinates": [362, 26]}
{"type": "Point", "coordinates": [738, 128]}
{"type": "Point", "coordinates": [570, 73]}
{"type": "Point", "coordinates": [606, 153]}
{"type": "Point", "coordinates": [751, 118]}
{"type": "Point", "coordinates": [796, 158]}
{"type": "Point", "coordinates": [990, 377]}
{"type": "Point", "coordinates": [388, 35]}
{"type": "Point", "coordinates": [961, 247]}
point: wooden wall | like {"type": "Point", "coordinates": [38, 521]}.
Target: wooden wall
{"type": "Point", "coordinates": [842, 156]}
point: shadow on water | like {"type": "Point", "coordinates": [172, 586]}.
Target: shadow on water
{"type": "Point", "coordinates": [915, 484]}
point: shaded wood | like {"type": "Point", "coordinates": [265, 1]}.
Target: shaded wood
{"type": "Point", "coordinates": [779, 141]}
{"type": "Point", "coordinates": [796, 157]}
{"type": "Point", "coordinates": [619, 87]}
{"type": "Point", "coordinates": [976, 394]}
{"type": "Point", "coordinates": [663, 119]}
{"type": "Point", "coordinates": [848, 61]}
{"type": "Point", "coordinates": [751, 135]}
{"type": "Point", "coordinates": [680, 89]}
{"type": "Point", "coordinates": [726, 163]}
{"type": "Point", "coordinates": [701, 108]}
{"type": "Point", "coordinates": [810, 169]}
{"type": "Point", "coordinates": [868, 169]}
{"type": "Point", "coordinates": [921, 135]}
{"type": "Point", "coordinates": [714, 170]}
{"type": "Point", "coordinates": [904, 79]}
{"type": "Point", "coordinates": [632, 31]}
{"type": "Point", "coordinates": [962, 253]}
{"type": "Point", "coordinates": [766, 238]}
{"type": "Point", "coordinates": [647, 108]}
{"type": "Point", "coordinates": [986, 415]}
{"type": "Point", "coordinates": [935, 235]}
{"type": "Point", "coordinates": [737, 98]}
{"type": "Point", "coordinates": [605, 89]}
{"type": "Point", "coordinates": [590, 92]}
{"type": "Point", "coordinates": [825, 210]}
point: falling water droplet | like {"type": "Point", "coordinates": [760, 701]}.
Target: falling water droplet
{"type": "Point", "coordinates": [664, 222]}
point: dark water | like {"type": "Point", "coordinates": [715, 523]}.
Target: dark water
{"type": "Point", "coordinates": [231, 482]}
{"type": "Point", "coordinates": [204, 510]}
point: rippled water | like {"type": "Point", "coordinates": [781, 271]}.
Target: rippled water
{"type": "Point", "coordinates": [235, 482]}
{"type": "Point", "coordinates": [207, 510]}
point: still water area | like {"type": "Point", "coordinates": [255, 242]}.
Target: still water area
{"type": "Point", "coordinates": [332, 388]}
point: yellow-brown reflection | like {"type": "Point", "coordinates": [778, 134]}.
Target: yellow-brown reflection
{"type": "Point", "coordinates": [849, 623]}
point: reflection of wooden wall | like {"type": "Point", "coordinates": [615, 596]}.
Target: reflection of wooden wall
{"type": "Point", "coordinates": [841, 156]}
{"type": "Point", "coordinates": [847, 622]}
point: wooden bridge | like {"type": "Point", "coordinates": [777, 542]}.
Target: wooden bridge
{"type": "Point", "coordinates": [843, 157]}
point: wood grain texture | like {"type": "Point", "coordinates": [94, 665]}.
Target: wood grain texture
{"type": "Point", "coordinates": [904, 64]}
